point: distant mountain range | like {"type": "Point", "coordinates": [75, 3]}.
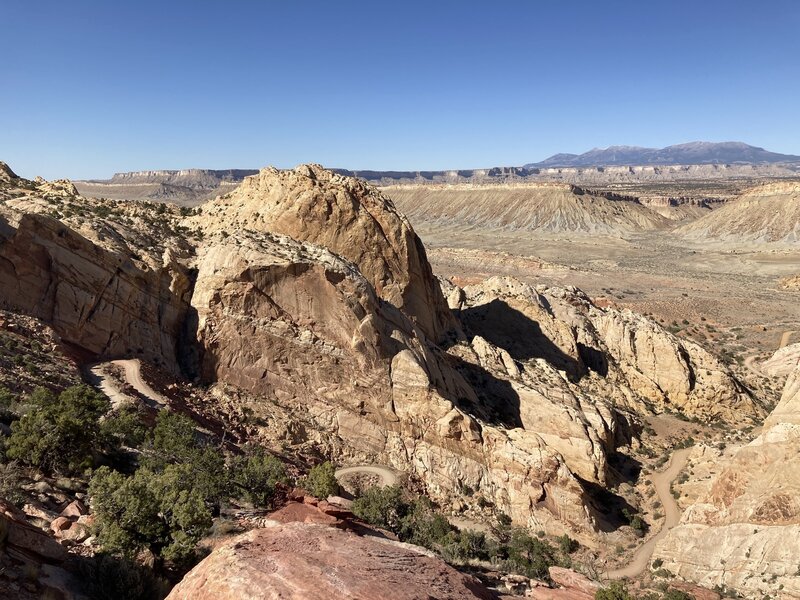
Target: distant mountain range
{"type": "Point", "coordinates": [693, 161]}
{"type": "Point", "coordinates": [693, 153]}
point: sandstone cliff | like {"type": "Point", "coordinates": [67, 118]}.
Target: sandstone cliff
{"type": "Point", "coordinates": [603, 352]}
{"type": "Point", "coordinates": [302, 327]}
{"type": "Point", "coordinates": [346, 216]}
{"type": "Point", "coordinates": [98, 300]}
{"type": "Point", "coordinates": [744, 531]}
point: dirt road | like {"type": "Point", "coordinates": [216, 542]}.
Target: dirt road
{"type": "Point", "coordinates": [672, 513]}
{"type": "Point", "coordinates": [787, 335]}
{"type": "Point", "coordinates": [386, 475]}
{"type": "Point", "coordinates": [133, 377]}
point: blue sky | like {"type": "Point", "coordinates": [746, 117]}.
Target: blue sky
{"type": "Point", "coordinates": [90, 88]}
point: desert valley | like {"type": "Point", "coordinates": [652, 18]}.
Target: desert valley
{"type": "Point", "coordinates": [569, 380]}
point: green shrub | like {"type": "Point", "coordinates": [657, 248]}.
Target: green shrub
{"type": "Point", "coordinates": [321, 481]}
{"type": "Point", "coordinates": [161, 512]}
{"type": "Point", "coordinates": [530, 556]}
{"type": "Point", "coordinates": [567, 545]}
{"type": "Point", "coordinates": [59, 434]}
{"type": "Point", "coordinates": [420, 524]}
{"type": "Point", "coordinates": [466, 545]}
{"type": "Point", "coordinates": [11, 483]}
{"type": "Point", "coordinates": [382, 506]}
{"type": "Point", "coordinates": [124, 426]}
{"type": "Point", "coordinates": [257, 474]}
{"type": "Point", "coordinates": [174, 443]}
{"type": "Point", "coordinates": [173, 440]}
{"type": "Point", "coordinates": [676, 595]}
{"type": "Point", "coordinates": [615, 591]}
{"type": "Point", "coordinates": [7, 402]}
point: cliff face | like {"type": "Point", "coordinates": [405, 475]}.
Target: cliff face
{"type": "Point", "coordinates": [603, 352]}
{"type": "Point", "coordinates": [297, 324]}
{"type": "Point", "coordinates": [98, 300]}
{"type": "Point", "coordinates": [744, 531]}
{"type": "Point", "coordinates": [350, 218]}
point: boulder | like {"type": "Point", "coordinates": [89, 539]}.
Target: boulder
{"type": "Point", "coordinates": [313, 562]}
{"type": "Point", "coordinates": [74, 509]}
{"type": "Point", "coordinates": [567, 578]}
{"type": "Point", "coordinates": [22, 540]}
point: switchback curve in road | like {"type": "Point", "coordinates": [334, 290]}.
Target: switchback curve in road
{"type": "Point", "coordinates": [132, 369]}
{"type": "Point", "coordinates": [386, 475]}
{"type": "Point", "coordinates": [662, 481]}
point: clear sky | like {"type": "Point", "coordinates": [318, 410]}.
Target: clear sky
{"type": "Point", "coordinates": [90, 88]}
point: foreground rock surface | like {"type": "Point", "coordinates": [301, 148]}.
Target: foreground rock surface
{"type": "Point", "coordinates": [312, 562]}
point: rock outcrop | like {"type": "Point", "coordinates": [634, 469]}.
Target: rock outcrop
{"type": "Point", "coordinates": [296, 561]}
{"type": "Point", "coordinates": [302, 327]}
{"type": "Point", "coordinates": [744, 531]}
{"type": "Point", "coordinates": [101, 301]}
{"type": "Point", "coordinates": [7, 176]}
{"type": "Point", "coordinates": [350, 218]}
{"type": "Point", "coordinates": [783, 362]}
{"type": "Point", "coordinates": [791, 283]}
{"type": "Point", "coordinates": [603, 352]}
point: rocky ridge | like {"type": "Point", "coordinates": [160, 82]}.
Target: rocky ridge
{"type": "Point", "coordinates": [309, 562]}
{"type": "Point", "coordinates": [608, 353]}
{"type": "Point", "coordinates": [542, 207]}
{"type": "Point", "coordinates": [350, 218]}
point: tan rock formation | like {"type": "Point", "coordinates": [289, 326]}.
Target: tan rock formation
{"type": "Point", "coordinates": [603, 352]}
{"type": "Point", "coordinates": [791, 283]}
{"type": "Point", "coordinates": [6, 174]}
{"type": "Point", "coordinates": [296, 561]}
{"type": "Point", "coordinates": [769, 213]}
{"type": "Point", "coordinates": [297, 324]}
{"type": "Point", "coordinates": [540, 207]}
{"type": "Point", "coordinates": [349, 218]}
{"type": "Point", "coordinates": [783, 362]}
{"type": "Point", "coordinates": [98, 300]}
{"type": "Point", "coordinates": [744, 532]}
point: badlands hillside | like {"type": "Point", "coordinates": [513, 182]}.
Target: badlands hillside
{"type": "Point", "coordinates": [769, 213]}
{"type": "Point", "coordinates": [514, 429]}
{"type": "Point", "coordinates": [547, 208]}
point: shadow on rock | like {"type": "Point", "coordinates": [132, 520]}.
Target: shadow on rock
{"type": "Point", "coordinates": [519, 335]}
{"type": "Point", "coordinates": [498, 402]}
